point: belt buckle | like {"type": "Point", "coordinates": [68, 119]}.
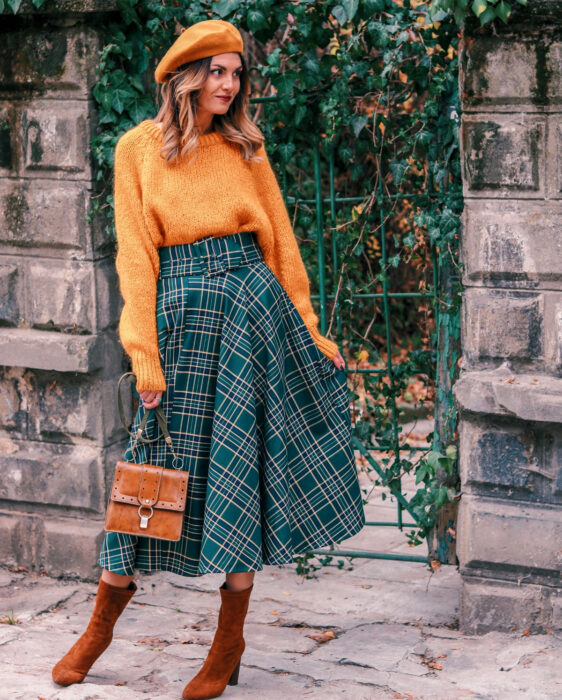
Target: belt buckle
{"type": "Point", "coordinates": [215, 265]}
{"type": "Point", "coordinates": [212, 263]}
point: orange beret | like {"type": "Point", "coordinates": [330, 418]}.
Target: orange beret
{"type": "Point", "coordinates": [202, 39]}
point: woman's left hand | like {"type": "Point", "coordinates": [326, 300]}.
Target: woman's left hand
{"type": "Point", "coordinates": [339, 361]}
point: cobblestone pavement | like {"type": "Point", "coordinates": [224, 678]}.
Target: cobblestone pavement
{"type": "Point", "coordinates": [383, 629]}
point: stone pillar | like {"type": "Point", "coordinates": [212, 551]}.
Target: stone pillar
{"type": "Point", "coordinates": [510, 390]}
{"type": "Point", "coordinates": [59, 301]}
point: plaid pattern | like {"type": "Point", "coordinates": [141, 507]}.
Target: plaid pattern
{"type": "Point", "coordinates": [257, 413]}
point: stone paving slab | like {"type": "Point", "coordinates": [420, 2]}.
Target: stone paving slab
{"type": "Point", "coordinates": [373, 629]}
{"type": "Point", "coordinates": [389, 631]}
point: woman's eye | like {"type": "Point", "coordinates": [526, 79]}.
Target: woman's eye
{"type": "Point", "coordinates": [218, 70]}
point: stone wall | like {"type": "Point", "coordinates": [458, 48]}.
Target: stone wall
{"type": "Point", "coordinates": [59, 302]}
{"type": "Point", "coordinates": [510, 390]}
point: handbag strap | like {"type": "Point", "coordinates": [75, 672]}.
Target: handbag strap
{"type": "Point", "coordinates": [160, 418]}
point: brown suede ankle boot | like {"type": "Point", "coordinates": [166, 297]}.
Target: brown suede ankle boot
{"type": "Point", "coordinates": [110, 603]}
{"type": "Point", "coordinates": [222, 664]}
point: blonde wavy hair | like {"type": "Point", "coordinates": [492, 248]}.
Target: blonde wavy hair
{"type": "Point", "coordinates": [178, 98]}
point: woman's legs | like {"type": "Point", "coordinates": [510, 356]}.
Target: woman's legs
{"type": "Point", "coordinates": [116, 579]}
{"type": "Point", "coordinates": [240, 581]}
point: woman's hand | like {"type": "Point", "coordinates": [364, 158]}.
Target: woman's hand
{"type": "Point", "coordinates": [150, 399]}
{"type": "Point", "coordinates": [339, 361]}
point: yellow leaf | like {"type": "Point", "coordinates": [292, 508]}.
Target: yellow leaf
{"type": "Point", "coordinates": [382, 127]}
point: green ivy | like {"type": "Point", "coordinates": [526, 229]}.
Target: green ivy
{"type": "Point", "coordinates": [486, 10]}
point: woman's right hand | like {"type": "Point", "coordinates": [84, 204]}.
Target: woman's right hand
{"type": "Point", "coordinates": [150, 399]}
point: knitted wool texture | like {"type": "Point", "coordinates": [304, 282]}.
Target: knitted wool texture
{"type": "Point", "coordinates": [162, 204]}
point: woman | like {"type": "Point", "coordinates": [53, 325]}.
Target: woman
{"type": "Point", "coordinates": [220, 328]}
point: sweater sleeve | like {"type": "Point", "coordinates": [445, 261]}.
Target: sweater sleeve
{"type": "Point", "coordinates": [137, 264]}
{"type": "Point", "coordinates": [284, 258]}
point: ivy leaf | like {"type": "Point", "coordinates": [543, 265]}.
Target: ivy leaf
{"type": "Point", "coordinates": [357, 123]}
{"type": "Point", "coordinates": [286, 151]}
{"type": "Point", "coordinates": [503, 10]}
{"type": "Point", "coordinates": [487, 16]}
{"type": "Point", "coordinates": [225, 7]}
{"type": "Point", "coordinates": [285, 82]}
{"type": "Point", "coordinates": [478, 7]}
{"type": "Point", "coordinates": [421, 473]}
{"type": "Point", "coordinates": [274, 58]}
{"type": "Point", "coordinates": [339, 14]}
{"type": "Point", "coordinates": [350, 7]}
{"type": "Point", "coordinates": [256, 20]}
{"type": "Point", "coordinates": [398, 168]}
{"type": "Point", "coordinates": [120, 99]}
{"type": "Point", "coordinates": [451, 452]}
{"type": "Point", "coordinates": [379, 34]}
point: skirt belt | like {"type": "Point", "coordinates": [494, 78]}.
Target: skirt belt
{"type": "Point", "coordinates": [210, 256]}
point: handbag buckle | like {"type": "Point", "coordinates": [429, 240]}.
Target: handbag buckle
{"type": "Point", "coordinates": [145, 518]}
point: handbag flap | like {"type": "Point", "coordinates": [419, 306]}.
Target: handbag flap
{"type": "Point", "coordinates": [134, 480]}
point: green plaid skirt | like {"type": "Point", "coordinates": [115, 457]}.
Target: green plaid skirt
{"type": "Point", "coordinates": [258, 414]}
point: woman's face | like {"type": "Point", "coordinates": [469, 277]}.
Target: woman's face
{"type": "Point", "coordinates": [223, 81]}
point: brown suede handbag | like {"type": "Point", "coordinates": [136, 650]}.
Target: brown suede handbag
{"type": "Point", "coordinates": [147, 500]}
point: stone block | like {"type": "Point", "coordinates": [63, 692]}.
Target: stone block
{"type": "Point", "coordinates": [43, 59]}
{"type": "Point", "coordinates": [7, 138]}
{"type": "Point", "coordinates": [10, 295]}
{"type": "Point", "coordinates": [60, 407]}
{"type": "Point", "coordinates": [510, 243]}
{"type": "Point", "coordinates": [500, 392]}
{"type": "Point", "coordinates": [56, 546]}
{"type": "Point", "coordinates": [44, 217]}
{"type": "Point", "coordinates": [108, 298]}
{"type": "Point", "coordinates": [72, 547]}
{"type": "Point", "coordinates": [62, 352]}
{"type": "Point", "coordinates": [17, 535]}
{"type": "Point", "coordinates": [498, 71]}
{"type": "Point", "coordinates": [502, 325]}
{"type": "Point", "coordinates": [55, 139]}
{"type": "Point", "coordinates": [511, 459]}
{"type": "Point", "coordinates": [66, 406]}
{"type": "Point", "coordinates": [61, 476]}
{"type": "Point", "coordinates": [61, 295]}
{"type": "Point", "coordinates": [14, 393]}
{"type": "Point", "coordinates": [502, 155]}
{"type": "Point", "coordinates": [507, 606]}
{"type": "Point", "coordinates": [554, 157]}
{"type": "Point", "coordinates": [509, 539]}
{"type": "Point", "coordinates": [552, 76]}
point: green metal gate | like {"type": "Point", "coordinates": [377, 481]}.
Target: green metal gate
{"type": "Point", "coordinates": [322, 200]}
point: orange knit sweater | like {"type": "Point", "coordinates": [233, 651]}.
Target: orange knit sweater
{"type": "Point", "coordinates": [159, 204]}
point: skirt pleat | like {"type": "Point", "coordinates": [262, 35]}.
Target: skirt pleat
{"type": "Point", "coordinates": [257, 414]}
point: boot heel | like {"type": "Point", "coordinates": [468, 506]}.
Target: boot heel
{"type": "Point", "coordinates": [234, 677]}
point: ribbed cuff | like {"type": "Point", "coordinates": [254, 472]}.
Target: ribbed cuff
{"type": "Point", "coordinates": [328, 347]}
{"type": "Point", "coordinates": [148, 372]}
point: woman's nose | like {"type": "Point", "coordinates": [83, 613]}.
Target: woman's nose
{"type": "Point", "coordinates": [228, 83]}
